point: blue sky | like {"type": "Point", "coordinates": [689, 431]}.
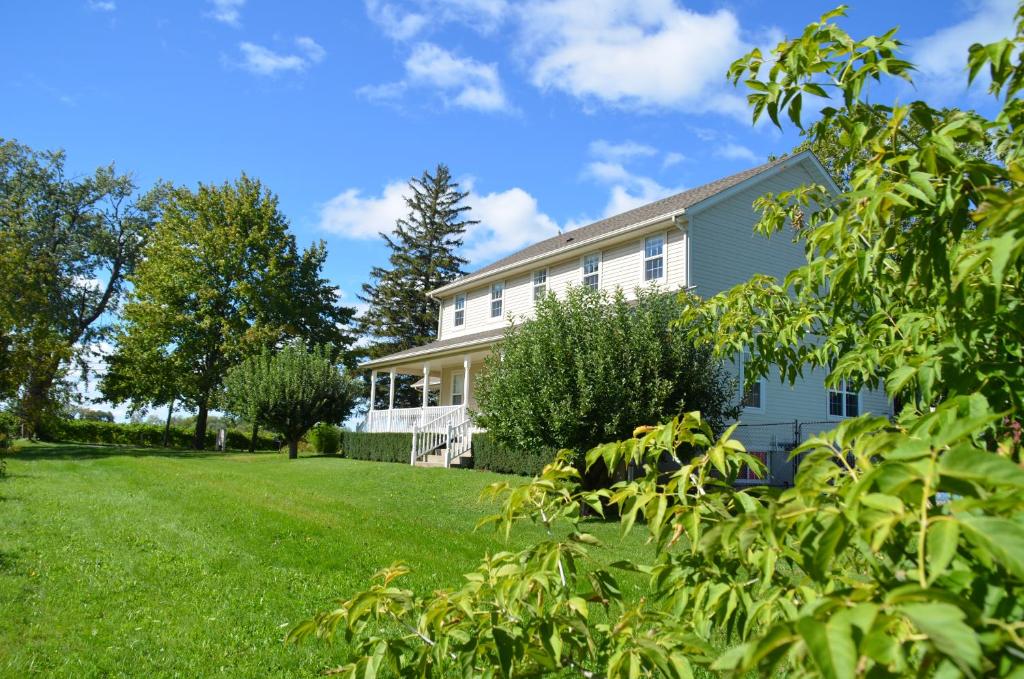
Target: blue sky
{"type": "Point", "coordinates": [552, 112]}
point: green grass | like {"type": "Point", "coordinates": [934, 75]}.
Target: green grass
{"type": "Point", "coordinates": [121, 561]}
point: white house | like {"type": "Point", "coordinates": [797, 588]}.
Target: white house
{"type": "Point", "coordinates": [701, 239]}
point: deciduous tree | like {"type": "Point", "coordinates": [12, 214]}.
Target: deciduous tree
{"type": "Point", "coordinates": [66, 247]}
{"type": "Point", "coordinates": [292, 390]}
{"type": "Point", "coordinates": [222, 279]}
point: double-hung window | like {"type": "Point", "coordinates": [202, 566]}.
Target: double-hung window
{"type": "Point", "coordinates": [752, 394]}
{"type": "Point", "coordinates": [592, 271]}
{"type": "Point", "coordinates": [497, 299]}
{"type": "Point", "coordinates": [460, 310]}
{"type": "Point", "coordinates": [654, 258]}
{"type": "Point", "coordinates": [540, 283]}
{"type": "Point", "coordinates": [843, 400]}
{"type": "Point", "coordinates": [458, 389]}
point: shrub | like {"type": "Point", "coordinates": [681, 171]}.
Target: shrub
{"type": "Point", "coordinates": [325, 439]}
{"type": "Point", "coordinates": [8, 429]}
{"type": "Point", "coordinates": [493, 456]}
{"type": "Point", "coordinates": [377, 446]}
{"type": "Point", "coordinates": [590, 366]}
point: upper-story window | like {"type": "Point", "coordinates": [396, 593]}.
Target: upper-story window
{"type": "Point", "coordinates": [654, 258]}
{"type": "Point", "coordinates": [497, 299]}
{"type": "Point", "coordinates": [460, 309]}
{"type": "Point", "coordinates": [592, 271]}
{"type": "Point", "coordinates": [540, 283]}
{"type": "Point", "coordinates": [752, 395]}
{"type": "Point", "coordinates": [844, 400]}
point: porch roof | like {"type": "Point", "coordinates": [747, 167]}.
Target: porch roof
{"type": "Point", "coordinates": [473, 340]}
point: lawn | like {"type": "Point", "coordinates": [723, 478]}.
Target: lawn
{"type": "Point", "coordinates": [120, 561]}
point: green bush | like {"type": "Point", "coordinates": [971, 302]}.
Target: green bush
{"type": "Point", "coordinates": [325, 439]}
{"type": "Point", "coordinates": [8, 429]}
{"type": "Point", "coordinates": [138, 434]}
{"type": "Point", "coordinates": [490, 455]}
{"type": "Point", "coordinates": [377, 446]}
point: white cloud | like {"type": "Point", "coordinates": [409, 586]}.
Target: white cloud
{"type": "Point", "coordinates": [263, 61]}
{"type": "Point", "coordinates": [509, 219]}
{"type": "Point", "coordinates": [627, 149]}
{"type": "Point", "coordinates": [226, 11]}
{"type": "Point", "coordinates": [314, 52]}
{"type": "Point", "coordinates": [102, 5]}
{"type": "Point", "coordinates": [672, 158]}
{"type": "Point", "coordinates": [627, 189]}
{"type": "Point", "coordinates": [406, 21]}
{"type": "Point", "coordinates": [734, 151]}
{"type": "Point", "coordinates": [396, 24]}
{"type": "Point", "coordinates": [633, 53]}
{"type": "Point", "coordinates": [353, 215]}
{"type": "Point", "coordinates": [461, 81]}
{"type": "Point", "coordinates": [943, 54]}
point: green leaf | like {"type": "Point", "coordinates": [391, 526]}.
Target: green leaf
{"type": "Point", "coordinates": [505, 645]}
{"type": "Point", "coordinates": [1003, 538]}
{"type": "Point", "coordinates": [972, 464]}
{"type": "Point", "coordinates": [941, 545]}
{"type": "Point", "coordinates": [944, 624]}
{"type": "Point", "coordinates": [831, 646]}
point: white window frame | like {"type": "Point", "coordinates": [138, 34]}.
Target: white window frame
{"type": "Point", "coordinates": [459, 316]}
{"type": "Point", "coordinates": [596, 273]}
{"type": "Point", "coordinates": [500, 299]}
{"type": "Point", "coordinates": [844, 389]}
{"type": "Point", "coordinates": [761, 386]}
{"type": "Point", "coordinates": [662, 257]}
{"type": "Point", "coordinates": [457, 379]}
{"type": "Point", "coordinates": [540, 288]}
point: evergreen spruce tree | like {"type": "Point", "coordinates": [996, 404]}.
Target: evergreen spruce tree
{"type": "Point", "coordinates": [424, 256]}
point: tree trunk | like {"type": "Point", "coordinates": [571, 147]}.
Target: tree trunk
{"type": "Point", "coordinates": [167, 425]}
{"type": "Point", "coordinates": [252, 441]}
{"type": "Point", "coordinates": [199, 439]}
{"type": "Point", "coordinates": [37, 396]}
{"type": "Point", "coordinates": [293, 449]}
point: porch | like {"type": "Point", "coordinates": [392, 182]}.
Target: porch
{"type": "Point", "coordinates": [441, 427]}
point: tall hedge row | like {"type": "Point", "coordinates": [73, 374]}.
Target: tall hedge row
{"type": "Point", "coordinates": [376, 446]}
{"type": "Point", "coordinates": [137, 434]}
{"type": "Point", "coordinates": [490, 455]}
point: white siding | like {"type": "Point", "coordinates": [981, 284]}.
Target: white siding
{"type": "Point", "coordinates": [622, 266]}
{"type": "Point", "coordinates": [726, 252]}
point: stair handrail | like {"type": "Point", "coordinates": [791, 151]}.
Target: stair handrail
{"type": "Point", "coordinates": [434, 433]}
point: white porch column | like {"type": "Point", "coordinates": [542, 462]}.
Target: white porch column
{"type": "Point", "coordinates": [426, 384]}
{"type": "Point", "coordinates": [465, 383]}
{"type": "Point", "coordinates": [373, 388]}
{"type": "Point", "coordinates": [391, 398]}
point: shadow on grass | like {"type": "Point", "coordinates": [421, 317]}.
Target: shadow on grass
{"type": "Point", "coordinates": [86, 451]}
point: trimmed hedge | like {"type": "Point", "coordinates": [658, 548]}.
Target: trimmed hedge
{"type": "Point", "coordinates": [148, 435]}
{"type": "Point", "coordinates": [376, 446]}
{"type": "Point", "coordinates": [490, 455]}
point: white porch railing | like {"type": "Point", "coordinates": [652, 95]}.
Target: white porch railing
{"type": "Point", "coordinates": [405, 419]}
{"type": "Point", "coordinates": [436, 433]}
{"type": "Point", "coordinates": [460, 441]}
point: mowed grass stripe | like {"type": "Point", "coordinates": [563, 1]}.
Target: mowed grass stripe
{"type": "Point", "coordinates": [192, 565]}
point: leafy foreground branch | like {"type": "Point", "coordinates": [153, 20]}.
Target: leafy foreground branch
{"type": "Point", "coordinates": [856, 570]}
{"type": "Point", "coordinates": [900, 549]}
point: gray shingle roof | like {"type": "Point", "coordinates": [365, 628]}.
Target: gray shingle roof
{"type": "Point", "coordinates": [482, 337]}
{"type": "Point", "coordinates": [658, 208]}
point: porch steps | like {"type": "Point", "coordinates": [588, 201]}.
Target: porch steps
{"type": "Point", "coordinates": [437, 460]}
